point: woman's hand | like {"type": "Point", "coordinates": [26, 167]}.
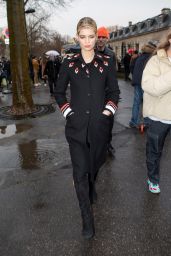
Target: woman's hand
{"type": "Point", "coordinates": [106, 112]}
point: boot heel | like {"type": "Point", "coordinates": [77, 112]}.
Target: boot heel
{"type": "Point", "coordinates": [88, 228]}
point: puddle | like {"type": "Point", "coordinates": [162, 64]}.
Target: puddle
{"type": "Point", "coordinates": [35, 154]}
{"type": "Point", "coordinates": [9, 130]}
{"type": "Point", "coordinates": [32, 155]}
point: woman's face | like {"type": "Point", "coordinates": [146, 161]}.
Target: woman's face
{"type": "Point", "coordinates": [87, 39]}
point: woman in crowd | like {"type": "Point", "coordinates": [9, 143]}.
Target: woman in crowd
{"type": "Point", "coordinates": [156, 83]}
{"type": "Point", "coordinates": [94, 97]}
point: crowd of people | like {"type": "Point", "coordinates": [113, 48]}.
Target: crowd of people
{"type": "Point", "coordinates": [45, 69]}
{"type": "Point", "coordinates": [90, 74]}
{"type": "Point", "coordinates": [5, 73]}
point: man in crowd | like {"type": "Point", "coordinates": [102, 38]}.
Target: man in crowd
{"type": "Point", "coordinates": [103, 37]}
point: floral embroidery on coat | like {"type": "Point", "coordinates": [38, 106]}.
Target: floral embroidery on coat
{"type": "Point", "coordinates": [96, 64]}
{"type": "Point", "coordinates": [76, 70]}
{"type": "Point", "coordinates": [105, 63]}
{"type": "Point", "coordinates": [71, 64]}
{"type": "Point", "coordinates": [101, 70]}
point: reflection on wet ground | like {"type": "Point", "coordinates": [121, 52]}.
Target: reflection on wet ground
{"type": "Point", "coordinates": [39, 212]}
{"type": "Point", "coordinates": [33, 155]}
{"type": "Point", "coordinates": [10, 130]}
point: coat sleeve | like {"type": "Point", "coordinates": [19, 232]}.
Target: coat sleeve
{"type": "Point", "coordinates": [153, 82]}
{"type": "Point", "coordinates": [60, 90]}
{"type": "Point", "coordinates": [112, 89]}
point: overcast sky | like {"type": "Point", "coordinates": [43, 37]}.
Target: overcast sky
{"type": "Point", "coordinates": [105, 13]}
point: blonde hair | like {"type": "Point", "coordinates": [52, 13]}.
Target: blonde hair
{"type": "Point", "coordinates": [86, 22]}
{"type": "Point", "coordinates": [166, 44]}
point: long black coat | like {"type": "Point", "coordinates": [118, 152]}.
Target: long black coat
{"type": "Point", "coordinates": [94, 87]}
{"type": "Point", "coordinates": [52, 69]}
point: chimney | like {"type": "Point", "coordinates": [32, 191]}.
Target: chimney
{"type": "Point", "coordinates": [165, 11]}
{"type": "Point", "coordinates": [130, 23]}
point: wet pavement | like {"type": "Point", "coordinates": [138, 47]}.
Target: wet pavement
{"type": "Point", "coordinates": [39, 213]}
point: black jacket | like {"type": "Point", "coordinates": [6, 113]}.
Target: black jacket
{"type": "Point", "coordinates": [88, 85]}
{"type": "Point", "coordinates": [139, 67]}
{"type": "Point", "coordinates": [93, 87]}
{"type": "Point", "coordinates": [52, 69]}
{"type": "Point", "coordinates": [110, 53]}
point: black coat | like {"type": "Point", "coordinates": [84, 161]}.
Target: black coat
{"type": "Point", "coordinates": [52, 69]}
{"type": "Point", "coordinates": [94, 87]}
{"type": "Point", "coordinates": [139, 67]}
{"type": "Point", "coordinates": [110, 53]}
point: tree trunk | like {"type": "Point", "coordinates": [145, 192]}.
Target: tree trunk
{"type": "Point", "coordinates": [19, 55]}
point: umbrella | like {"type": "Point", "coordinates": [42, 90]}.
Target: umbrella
{"type": "Point", "coordinates": [52, 53]}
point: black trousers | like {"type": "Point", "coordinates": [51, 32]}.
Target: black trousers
{"type": "Point", "coordinates": [156, 135]}
{"type": "Point", "coordinates": [52, 84]}
{"type": "Point", "coordinates": [81, 175]}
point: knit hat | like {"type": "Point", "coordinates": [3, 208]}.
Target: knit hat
{"type": "Point", "coordinates": [102, 31]}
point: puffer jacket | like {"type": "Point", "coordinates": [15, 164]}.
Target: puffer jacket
{"type": "Point", "coordinates": [156, 83]}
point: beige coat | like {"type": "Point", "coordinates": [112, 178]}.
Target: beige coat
{"type": "Point", "coordinates": [156, 83]}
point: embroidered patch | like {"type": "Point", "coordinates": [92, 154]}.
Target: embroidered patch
{"type": "Point", "coordinates": [100, 56]}
{"type": "Point", "coordinates": [71, 64]}
{"type": "Point", "coordinates": [107, 57]}
{"type": "Point", "coordinates": [101, 70]}
{"type": "Point", "coordinates": [105, 63]}
{"type": "Point", "coordinates": [75, 56]}
{"type": "Point", "coordinates": [96, 64]}
{"type": "Point", "coordinates": [87, 71]}
{"type": "Point", "coordinates": [76, 70]}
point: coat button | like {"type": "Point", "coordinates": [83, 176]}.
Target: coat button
{"type": "Point", "coordinates": [87, 112]}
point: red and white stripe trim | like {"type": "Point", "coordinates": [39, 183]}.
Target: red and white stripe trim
{"type": "Point", "coordinates": [65, 109]}
{"type": "Point", "coordinates": [111, 107]}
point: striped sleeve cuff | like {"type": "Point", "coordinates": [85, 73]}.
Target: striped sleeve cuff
{"type": "Point", "coordinates": [66, 110]}
{"type": "Point", "coordinates": [111, 107]}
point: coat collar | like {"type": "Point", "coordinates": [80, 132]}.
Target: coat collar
{"type": "Point", "coordinates": [78, 57]}
{"type": "Point", "coordinates": [161, 54]}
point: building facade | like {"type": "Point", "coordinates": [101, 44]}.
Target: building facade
{"type": "Point", "coordinates": [134, 36]}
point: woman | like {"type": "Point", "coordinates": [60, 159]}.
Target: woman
{"type": "Point", "coordinates": [156, 83]}
{"type": "Point", "coordinates": [94, 97]}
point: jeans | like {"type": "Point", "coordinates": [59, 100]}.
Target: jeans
{"type": "Point", "coordinates": [156, 134]}
{"type": "Point", "coordinates": [138, 97]}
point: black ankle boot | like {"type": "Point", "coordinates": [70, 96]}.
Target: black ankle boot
{"type": "Point", "coordinates": [82, 190]}
{"type": "Point", "coordinates": [88, 227]}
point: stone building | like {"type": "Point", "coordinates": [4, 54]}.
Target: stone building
{"type": "Point", "coordinates": [134, 36]}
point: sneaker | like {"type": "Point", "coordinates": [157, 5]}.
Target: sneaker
{"type": "Point", "coordinates": [153, 188]}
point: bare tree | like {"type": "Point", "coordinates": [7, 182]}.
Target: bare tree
{"type": "Point", "coordinates": [47, 3]}
{"type": "Point", "coordinates": [19, 51]}
{"type": "Point", "coordinates": [22, 95]}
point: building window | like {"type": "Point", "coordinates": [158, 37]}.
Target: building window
{"type": "Point", "coordinates": [120, 32]}
{"type": "Point", "coordinates": [153, 22]}
{"type": "Point", "coordinates": [127, 30]}
{"type": "Point", "coordinates": [143, 25]}
{"type": "Point", "coordinates": [165, 18]}
{"type": "Point", "coordinates": [134, 28]}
